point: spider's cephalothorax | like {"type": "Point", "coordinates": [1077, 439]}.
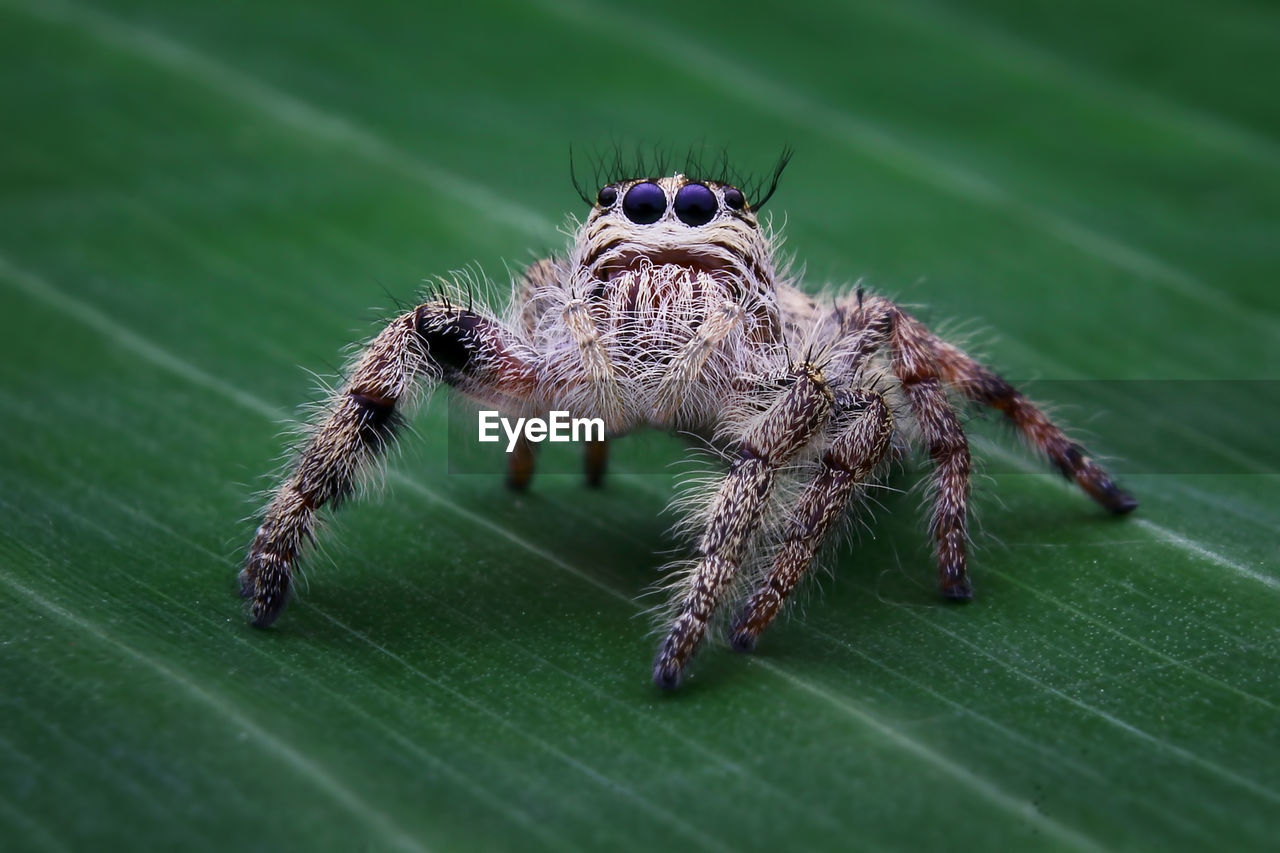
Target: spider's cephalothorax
{"type": "Point", "coordinates": [668, 310]}
{"type": "Point", "coordinates": [665, 304]}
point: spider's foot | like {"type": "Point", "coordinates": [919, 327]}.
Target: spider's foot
{"type": "Point", "coordinates": [268, 590]}
{"type": "Point", "coordinates": [516, 482]}
{"type": "Point", "coordinates": [1114, 498]}
{"type": "Point", "coordinates": [752, 621]}
{"type": "Point", "coordinates": [264, 610]}
{"type": "Point", "coordinates": [1095, 481]}
{"type": "Point", "coordinates": [676, 650]}
{"type": "Point", "coordinates": [668, 674]}
{"type": "Point", "coordinates": [743, 639]}
{"type": "Point", "coordinates": [758, 614]}
{"type": "Point", "coordinates": [956, 586]}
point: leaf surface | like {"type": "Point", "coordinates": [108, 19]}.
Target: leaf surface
{"type": "Point", "coordinates": [204, 202]}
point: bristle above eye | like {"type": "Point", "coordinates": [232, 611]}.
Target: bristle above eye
{"type": "Point", "coordinates": [778, 169]}
{"type": "Point", "coordinates": [700, 164]}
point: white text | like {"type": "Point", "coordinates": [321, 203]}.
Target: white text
{"type": "Point", "coordinates": [558, 427]}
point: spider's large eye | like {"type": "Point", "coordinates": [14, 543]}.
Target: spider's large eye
{"type": "Point", "coordinates": [734, 198]}
{"type": "Point", "coordinates": [644, 203]}
{"type": "Point", "coordinates": [607, 196]}
{"type": "Point", "coordinates": [695, 204]}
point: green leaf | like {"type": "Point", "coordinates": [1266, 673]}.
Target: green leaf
{"type": "Point", "coordinates": [203, 202]}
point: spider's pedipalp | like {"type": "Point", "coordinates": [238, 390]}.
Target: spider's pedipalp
{"type": "Point", "coordinates": [538, 277]}
{"type": "Point", "coordinates": [596, 364]}
{"type": "Point", "coordinates": [689, 363]}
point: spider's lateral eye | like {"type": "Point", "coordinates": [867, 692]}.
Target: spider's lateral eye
{"type": "Point", "coordinates": [644, 203]}
{"type": "Point", "coordinates": [696, 204]}
{"type": "Point", "coordinates": [734, 198]}
{"type": "Point", "coordinates": [607, 196]}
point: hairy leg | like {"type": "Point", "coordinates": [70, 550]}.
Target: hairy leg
{"type": "Point", "coordinates": [595, 459]}
{"type": "Point", "coordinates": [912, 360]}
{"type": "Point", "coordinates": [865, 426]}
{"type": "Point", "coordinates": [736, 512]}
{"type": "Point", "coordinates": [434, 341]}
{"type": "Point", "coordinates": [924, 364]}
{"type": "Point", "coordinates": [520, 464]}
{"type": "Point", "coordinates": [983, 385]}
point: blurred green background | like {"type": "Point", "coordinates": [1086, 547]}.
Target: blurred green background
{"type": "Point", "coordinates": [201, 203]}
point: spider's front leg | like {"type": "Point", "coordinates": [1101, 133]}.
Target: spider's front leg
{"type": "Point", "coordinates": [737, 511]}
{"type": "Point", "coordinates": [863, 427]}
{"type": "Point", "coordinates": [435, 341]}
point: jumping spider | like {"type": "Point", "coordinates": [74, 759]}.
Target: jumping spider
{"type": "Point", "coordinates": [669, 310]}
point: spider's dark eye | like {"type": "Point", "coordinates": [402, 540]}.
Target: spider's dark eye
{"type": "Point", "coordinates": [734, 198]}
{"type": "Point", "coordinates": [695, 204]}
{"type": "Point", "coordinates": [607, 196]}
{"type": "Point", "coordinates": [645, 203]}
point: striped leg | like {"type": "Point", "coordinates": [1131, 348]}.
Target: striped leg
{"type": "Point", "coordinates": [985, 386]}
{"type": "Point", "coordinates": [912, 360]}
{"type": "Point", "coordinates": [865, 429]}
{"type": "Point", "coordinates": [434, 341]}
{"type": "Point", "coordinates": [737, 510]}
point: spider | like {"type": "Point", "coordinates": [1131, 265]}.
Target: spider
{"type": "Point", "coordinates": [670, 310]}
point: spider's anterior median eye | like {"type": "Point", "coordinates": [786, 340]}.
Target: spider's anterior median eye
{"type": "Point", "coordinates": [695, 204]}
{"type": "Point", "coordinates": [734, 198]}
{"type": "Point", "coordinates": [607, 196]}
{"type": "Point", "coordinates": [644, 203]}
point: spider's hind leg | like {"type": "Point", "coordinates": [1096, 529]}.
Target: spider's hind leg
{"type": "Point", "coordinates": [521, 462]}
{"type": "Point", "coordinates": [360, 423]}
{"type": "Point", "coordinates": [983, 385]}
{"type": "Point", "coordinates": [864, 427]}
{"type": "Point", "coordinates": [912, 359]}
{"type": "Point", "coordinates": [595, 460]}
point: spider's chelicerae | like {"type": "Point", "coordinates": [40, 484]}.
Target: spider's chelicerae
{"type": "Point", "coordinates": [669, 310]}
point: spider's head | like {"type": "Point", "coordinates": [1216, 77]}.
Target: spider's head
{"type": "Point", "coordinates": [702, 226]}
